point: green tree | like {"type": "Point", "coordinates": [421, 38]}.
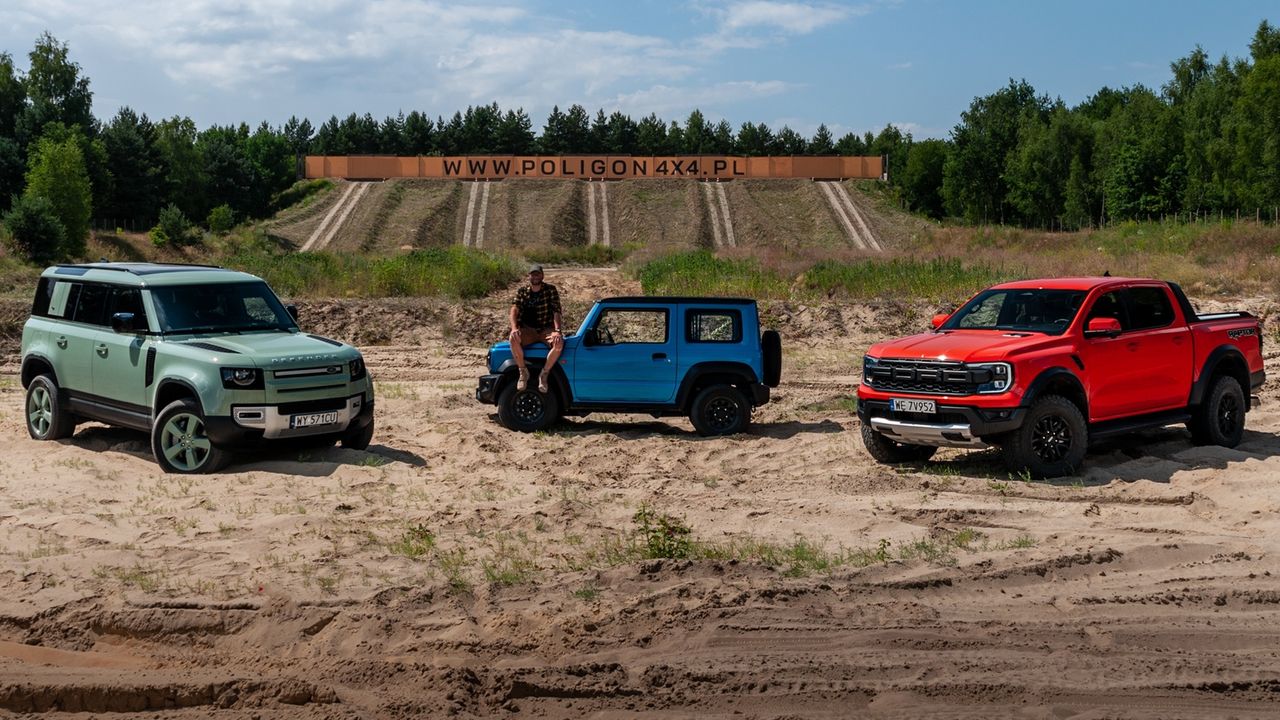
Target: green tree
{"type": "Point", "coordinates": [821, 144]}
{"type": "Point", "coordinates": [57, 173]}
{"type": "Point", "coordinates": [419, 134]}
{"type": "Point", "coordinates": [12, 168]}
{"type": "Point", "coordinates": [973, 182]}
{"type": "Point", "coordinates": [35, 232]}
{"type": "Point", "coordinates": [1038, 168]}
{"type": "Point", "coordinates": [921, 179]}
{"type": "Point", "coordinates": [185, 179]}
{"type": "Point", "coordinates": [754, 140]}
{"type": "Point", "coordinates": [698, 135]}
{"type": "Point", "coordinates": [651, 136]}
{"type": "Point", "coordinates": [272, 166]}
{"type": "Point", "coordinates": [622, 135]}
{"type": "Point", "coordinates": [851, 144]}
{"type": "Point", "coordinates": [137, 168]}
{"type": "Point", "coordinates": [790, 142]}
{"type": "Point", "coordinates": [56, 92]}
{"type": "Point", "coordinates": [13, 97]}
{"type": "Point", "coordinates": [515, 133]}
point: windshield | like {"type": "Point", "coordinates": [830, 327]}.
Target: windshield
{"type": "Point", "coordinates": [230, 307]}
{"type": "Point", "coordinates": [1042, 311]}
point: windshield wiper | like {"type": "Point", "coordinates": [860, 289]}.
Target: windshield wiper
{"type": "Point", "coordinates": [202, 329]}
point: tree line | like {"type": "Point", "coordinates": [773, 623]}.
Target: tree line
{"type": "Point", "coordinates": [1208, 141]}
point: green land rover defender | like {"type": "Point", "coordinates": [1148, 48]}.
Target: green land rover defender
{"type": "Point", "coordinates": [204, 359]}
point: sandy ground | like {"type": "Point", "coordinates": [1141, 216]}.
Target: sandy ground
{"type": "Point", "coordinates": [458, 569]}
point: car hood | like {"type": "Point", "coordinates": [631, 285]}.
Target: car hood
{"type": "Point", "coordinates": [960, 345]}
{"type": "Point", "coordinates": [273, 349]}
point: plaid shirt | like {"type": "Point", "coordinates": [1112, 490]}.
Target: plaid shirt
{"type": "Point", "coordinates": [537, 309]}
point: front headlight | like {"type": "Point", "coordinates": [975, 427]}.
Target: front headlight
{"type": "Point", "coordinates": [357, 369]}
{"type": "Point", "coordinates": [868, 364]}
{"type": "Point", "coordinates": [1001, 377]}
{"type": "Point", "coordinates": [242, 378]}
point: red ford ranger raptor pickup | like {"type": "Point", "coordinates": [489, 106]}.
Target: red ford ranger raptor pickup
{"type": "Point", "coordinates": [1041, 368]}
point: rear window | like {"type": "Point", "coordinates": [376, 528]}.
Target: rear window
{"type": "Point", "coordinates": [1149, 308]}
{"type": "Point", "coordinates": [715, 326]}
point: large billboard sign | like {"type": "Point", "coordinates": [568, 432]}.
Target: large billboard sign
{"type": "Point", "coordinates": [592, 167]}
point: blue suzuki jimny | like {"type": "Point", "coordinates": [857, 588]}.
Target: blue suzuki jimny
{"type": "Point", "coordinates": [663, 356]}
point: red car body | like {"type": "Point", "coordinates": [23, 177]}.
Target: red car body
{"type": "Point", "coordinates": [1151, 366]}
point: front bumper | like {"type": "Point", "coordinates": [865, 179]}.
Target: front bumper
{"type": "Point", "coordinates": [487, 390]}
{"type": "Point", "coordinates": [250, 424]}
{"type": "Point", "coordinates": [952, 426]}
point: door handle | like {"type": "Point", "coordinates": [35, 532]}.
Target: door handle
{"type": "Point", "coordinates": [62, 342]}
{"type": "Point", "coordinates": [102, 350]}
{"type": "Point", "coordinates": [1177, 340]}
{"type": "Point", "coordinates": [1132, 345]}
{"type": "Point", "coordinates": [659, 356]}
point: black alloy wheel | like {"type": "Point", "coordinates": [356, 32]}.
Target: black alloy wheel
{"type": "Point", "coordinates": [1051, 439]}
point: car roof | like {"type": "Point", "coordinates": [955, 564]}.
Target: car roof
{"type": "Point", "coordinates": [147, 274]}
{"type": "Point", "coordinates": [1068, 283]}
{"type": "Point", "coordinates": [677, 300]}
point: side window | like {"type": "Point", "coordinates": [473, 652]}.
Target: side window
{"type": "Point", "coordinates": [1149, 308]}
{"type": "Point", "coordinates": [715, 326]}
{"type": "Point", "coordinates": [985, 315]}
{"type": "Point", "coordinates": [1109, 306]}
{"type": "Point", "coordinates": [618, 326]}
{"type": "Point", "coordinates": [129, 300]}
{"type": "Point", "coordinates": [91, 305]}
{"type": "Point", "coordinates": [55, 298]}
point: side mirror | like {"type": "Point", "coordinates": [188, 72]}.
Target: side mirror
{"type": "Point", "coordinates": [1102, 327]}
{"type": "Point", "coordinates": [590, 338]}
{"type": "Point", "coordinates": [939, 319]}
{"type": "Point", "coordinates": [292, 310]}
{"type": "Point", "coordinates": [122, 322]}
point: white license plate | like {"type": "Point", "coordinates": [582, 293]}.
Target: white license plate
{"type": "Point", "coordinates": [313, 419]}
{"type": "Point", "coordinates": [916, 406]}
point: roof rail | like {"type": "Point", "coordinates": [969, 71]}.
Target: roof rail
{"type": "Point", "coordinates": [134, 268]}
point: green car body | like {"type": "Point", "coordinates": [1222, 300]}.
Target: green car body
{"type": "Point", "coordinates": [204, 359]}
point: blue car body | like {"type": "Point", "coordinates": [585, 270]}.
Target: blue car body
{"type": "Point", "coordinates": [647, 354]}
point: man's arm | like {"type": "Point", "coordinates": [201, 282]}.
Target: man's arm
{"type": "Point", "coordinates": [514, 317]}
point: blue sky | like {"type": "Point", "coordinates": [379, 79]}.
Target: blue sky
{"type": "Point", "coordinates": [855, 66]}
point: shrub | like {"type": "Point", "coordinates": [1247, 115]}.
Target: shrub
{"type": "Point", "coordinates": [34, 229]}
{"type": "Point", "coordinates": [221, 219]}
{"type": "Point", "coordinates": [173, 227]}
{"type": "Point", "coordinates": [663, 536]}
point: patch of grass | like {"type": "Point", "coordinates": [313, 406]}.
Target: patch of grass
{"type": "Point", "coordinates": [301, 193]}
{"type": "Point", "coordinates": [702, 273]}
{"type": "Point", "coordinates": [509, 564]}
{"type": "Point", "coordinates": [935, 278]}
{"type": "Point", "coordinates": [395, 391]}
{"type": "Point", "coordinates": [414, 542]}
{"type": "Point", "coordinates": [662, 536]}
{"type": "Point", "coordinates": [587, 592]}
{"type": "Point", "coordinates": [455, 271]}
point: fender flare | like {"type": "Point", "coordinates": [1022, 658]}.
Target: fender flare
{"type": "Point", "coordinates": [168, 381]}
{"type": "Point", "coordinates": [1052, 376]}
{"type": "Point", "coordinates": [741, 371]}
{"type": "Point", "coordinates": [29, 360]}
{"type": "Point", "coordinates": [1221, 354]}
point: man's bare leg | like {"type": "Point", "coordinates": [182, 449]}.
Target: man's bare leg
{"type": "Point", "coordinates": [517, 352]}
{"type": "Point", "coordinates": [552, 357]}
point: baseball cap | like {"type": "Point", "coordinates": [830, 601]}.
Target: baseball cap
{"type": "Point", "coordinates": [535, 268]}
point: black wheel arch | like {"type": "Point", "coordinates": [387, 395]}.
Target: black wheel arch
{"type": "Point", "coordinates": [171, 389]}
{"type": "Point", "coordinates": [1058, 381]}
{"type": "Point", "coordinates": [35, 365]}
{"type": "Point", "coordinates": [1224, 360]}
{"type": "Point", "coordinates": [718, 372]}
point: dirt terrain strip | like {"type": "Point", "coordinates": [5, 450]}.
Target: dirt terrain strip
{"type": "Point", "coordinates": [457, 569]}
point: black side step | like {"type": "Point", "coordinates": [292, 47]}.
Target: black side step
{"type": "Point", "coordinates": [1134, 424]}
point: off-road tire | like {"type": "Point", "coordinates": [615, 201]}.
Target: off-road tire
{"type": "Point", "coordinates": [771, 348]}
{"type": "Point", "coordinates": [720, 410]}
{"type": "Point", "coordinates": [1051, 442]}
{"type": "Point", "coordinates": [527, 410]}
{"type": "Point", "coordinates": [1219, 420]}
{"type": "Point", "coordinates": [358, 439]}
{"type": "Point", "coordinates": [890, 452]}
{"type": "Point", "coordinates": [179, 441]}
{"type": "Point", "coordinates": [47, 418]}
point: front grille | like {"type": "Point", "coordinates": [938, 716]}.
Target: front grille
{"type": "Point", "coordinates": [311, 406]}
{"type": "Point", "coordinates": [926, 376]}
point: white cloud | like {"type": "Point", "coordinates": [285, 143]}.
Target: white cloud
{"type": "Point", "coordinates": [791, 17]}
{"type": "Point", "coordinates": [899, 66]}
{"type": "Point", "coordinates": [675, 103]}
